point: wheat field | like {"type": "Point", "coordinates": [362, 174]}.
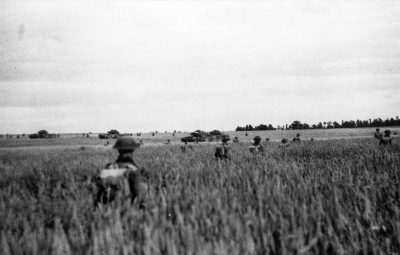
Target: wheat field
{"type": "Point", "coordinates": [325, 197]}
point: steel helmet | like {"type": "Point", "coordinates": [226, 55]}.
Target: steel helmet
{"type": "Point", "coordinates": [257, 138]}
{"type": "Point", "coordinates": [126, 143]}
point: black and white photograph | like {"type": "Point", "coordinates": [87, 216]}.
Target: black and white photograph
{"type": "Point", "coordinates": [200, 127]}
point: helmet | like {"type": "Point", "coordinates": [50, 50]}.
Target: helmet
{"type": "Point", "coordinates": [126, 143]}
{"type": "Point", "coordinates": [257, 138]}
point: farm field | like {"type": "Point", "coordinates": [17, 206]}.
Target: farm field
{"type": "Point", "coordinates": [160, 138]}
{"type": "Point", "coordinates": [337, 195]}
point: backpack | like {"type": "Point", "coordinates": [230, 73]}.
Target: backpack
{"type": "Point", "coordinates": [116, 179]}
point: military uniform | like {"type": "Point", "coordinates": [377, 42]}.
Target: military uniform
{"type": "Point", "coordinates": [123, 177]}
{"type": "Point", "coordinates": [222, 151]}
{"type": "Point", "coordinates": [383, 138]}
{"type": "Point", "coordinates": [256, 147]}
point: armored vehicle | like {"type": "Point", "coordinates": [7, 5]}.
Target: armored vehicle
{"type": "Point", "coordinates": [196, 136]}
{"type": "Point", "coordinates": [42, 134]}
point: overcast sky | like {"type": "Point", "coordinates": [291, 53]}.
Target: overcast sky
{"type": "Point", "coordinates": [140, 66]}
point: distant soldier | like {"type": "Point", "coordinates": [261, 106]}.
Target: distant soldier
{"type": "Point", "coordinates": [378, 134]}
{"type": "Point", "coordinates": [236, 139]}
{"type": "Point", "coordinates": [297, 138]}
{"type": "Point", "coordinates": [256, 147]}
{"type": "Point", "coordinates": [267, 139]}
{"type": "Point", "coordinates": [123, 177]}
{"type": "Point", "coordinates": [384, 138]}
{"type": "Point", "coordinates": [168, 142]}
{"type": "Point", "coordinates": [222, 151]}
{"type": "Point", "coordinates": [284, 142]}
{"type": "Point", "coordinates": [141, 142]}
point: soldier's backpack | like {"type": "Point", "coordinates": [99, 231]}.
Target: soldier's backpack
{"type": "Point", "coordinates": [125, 180]}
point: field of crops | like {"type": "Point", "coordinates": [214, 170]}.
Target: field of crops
{"type": "Point", "coordinates": [160, 138]}
{"type": "Point", "coordinates": [325, 197]}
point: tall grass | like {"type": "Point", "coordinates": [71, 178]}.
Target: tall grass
{"type": "Point", "coordinates": [323, 197]}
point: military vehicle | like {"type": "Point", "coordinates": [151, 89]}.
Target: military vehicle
{"type": "Point", "coordinates": [112, 134]}
{"type": "Point", "coordinates": [201, 136]}
{"type": "Point", "coordinates": [104, 136]}
{"type": "Point", "coordinates": [196, 136]}
{"type": "Point", "coordinates": [216, 135]}
{"type": "Point", "coordinates": [42, 134]}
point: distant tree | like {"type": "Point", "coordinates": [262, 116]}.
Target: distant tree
{"type": "Point", "coordinates": [296, 125]}
{"type": "Point", "coordinates": [349, 124]}
{"type": "Point", "coordinates": [336, 125]}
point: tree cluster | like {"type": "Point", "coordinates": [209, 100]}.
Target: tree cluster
{"type": "Point", "coordinates": [261, 127]}
{"type": "Point", "coordinates": [328, 124]}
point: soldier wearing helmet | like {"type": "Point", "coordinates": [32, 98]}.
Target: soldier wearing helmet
{"type": "Point", "coordinates": [123, 176]}
{"type": "Point", "coordinates": [222, 151]}
{"type": "Point", "coordinates": [256, 147]}
{"type": "Point", "coordinates": [378, 134]}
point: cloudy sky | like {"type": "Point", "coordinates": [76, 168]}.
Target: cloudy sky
{"type": "Point", "coordinates": [80, 66]}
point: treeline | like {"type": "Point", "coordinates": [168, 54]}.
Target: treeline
{"type": "Point", "coordinates": [256, 128]}
{"type": "Point", "coordinates": [327, 124]}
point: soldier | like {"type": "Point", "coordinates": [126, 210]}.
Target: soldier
{"type": "Point", "coordinates": [256, 146]}
{"type": "Point", "coordinates": [384, 139]}
{"type": "Point", "coordinates": [236, 139]}
{"type": "Point", "coordinates": [122, 177]}
{"type": "Point", "coordinates": [222, 151]}
{"type": "Point", "coordinates": [297, 138]}
{"type": "Point", "coordinates": [378, 134]}
{"type": "Point", "coordinates": [168, 142]}
{"type": "Point", "coordinates": [285, 142]}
